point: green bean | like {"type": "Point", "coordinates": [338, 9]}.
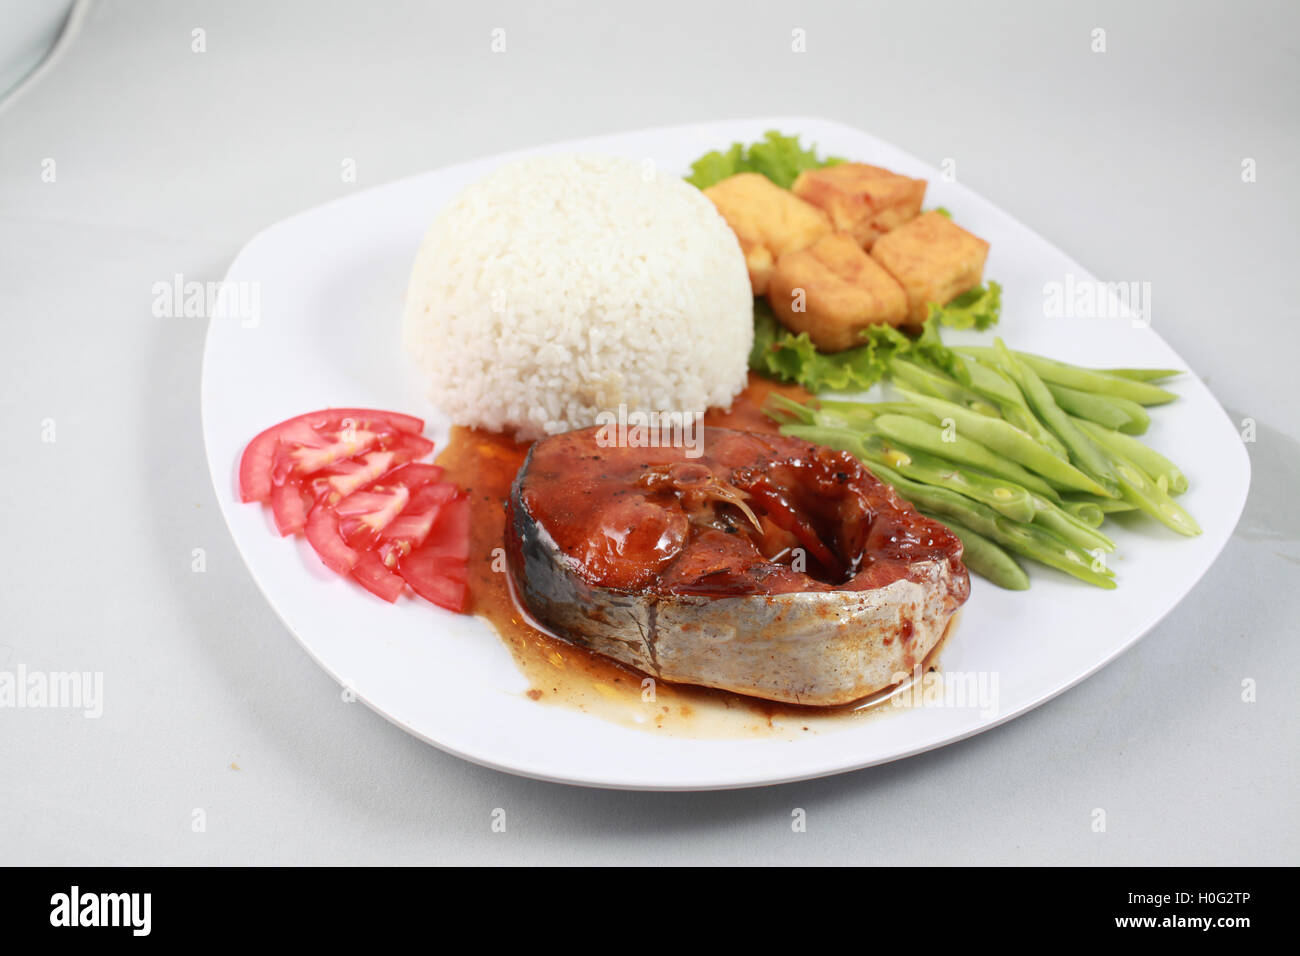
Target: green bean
{"type": "Point", "coordinates": [1142, 374]}
{"type": "Point", "coordinates": [1028, 540]}
{"type": "Point", "coordinates": [841, 439]}
{"type": "Point", "coordinates": [782, 409]}
{"type": "Point", "coordinates": [935, 383]}
{"type": "Point", "coordinates": [1090, 380]}
{"type": "Point", "coordinates": [1028, 423]}
{"type": "Point", "coordinates": [957, 367]}
{"type": "Point", "coordinates": [1104, 506]}
{"type": "Point", "coordinates": [1142, 490]}
{"type": "Point", "coordinates": [1007, 440]}
{"type": "Point", "coordinates": [984, 557]}
{"type": "Point", "coordinates": [956, 447]}
{"type": "Point", "coordinates": [1000, 483]}
{"type": "Point", "coordinates": [1116, 413]}
{"type": "Point", "coordinates": [1001, 401]}
{"type": "Point", "coordinates": [862, 414]}
{"type": "Point", "coordinates": [1084, 379]}
{"type": "Point", "coordinates": [1006, 497]}
{"type": "Point", "coordinates": [1084, 452]}
{"type": "Point", "coordinates": [1069, 528]}
{"type": "Point", "coordinates": [1085, 511]}
{"type": "Point", "coordinates": [986, 380]}
{"type": "Point", "coordinates": [994, 384]}
{"type": "Point", "coordinates": [1148, 459]}
{"type": "Point", "coordinates": [1003, 496]}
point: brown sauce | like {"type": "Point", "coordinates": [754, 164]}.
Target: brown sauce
{"type": "Point", "coordinates": [746, 412]}
{"type": "Point", "coordinates": [563, 674]}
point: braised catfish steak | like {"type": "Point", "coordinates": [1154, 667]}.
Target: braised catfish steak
{"type": "Point", "coordinates": [768, 566]}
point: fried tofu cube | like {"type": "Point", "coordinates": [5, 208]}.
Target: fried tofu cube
{"type": "Point", "coordinates": [864, 201]}
{"type": "Point", "coordinates": [934, 259]}
{"type": "Point", "coordinates": [768, 220]}
{"type": "Point", "coordinates": [833, 290]}
{"type": "Point", "coordinates": [760, 262]}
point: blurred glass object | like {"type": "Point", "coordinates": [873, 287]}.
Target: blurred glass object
{"type": "Point", "coordinates": [30, 30]}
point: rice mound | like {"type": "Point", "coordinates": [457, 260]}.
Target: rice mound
{"type": "Point", "coordinates": [559, 287]}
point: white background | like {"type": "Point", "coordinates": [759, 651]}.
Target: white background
{"type": "Point", "coordinates": [167, 160]}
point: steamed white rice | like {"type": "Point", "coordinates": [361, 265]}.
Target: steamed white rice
{"type": "Point", "coordinates": [560, 287]}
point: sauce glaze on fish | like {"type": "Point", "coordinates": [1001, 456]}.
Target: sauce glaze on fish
{"type": "Point", "coordinates": [768, 566]}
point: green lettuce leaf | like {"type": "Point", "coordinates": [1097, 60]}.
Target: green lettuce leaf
{"type": "Point", "coordinates": [779, 158]}
{"type": "Point", "coordinates": [977, 309]}
{"type": "Point", "coordinates": [779, 353]}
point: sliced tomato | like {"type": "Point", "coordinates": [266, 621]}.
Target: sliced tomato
{"type": "Point", "coordinates": [358, 520]}
{"type": "Point", "coordinates": [431, 497]}
{"type": "Point", "coordinates": [349, 476]}
{"type": "Point", "coordinates": [364, 514]}
{"type": "Point", "coordinates": [411, 528]}
{"type": "Point", "coordinates": [367, 517]}
{"type": "Point", "coordinates": [433, 510]}
{"type": "Point", "coordinates": [371, 574]}
{"type": "Point", "coordinates": [255, 466]}
{"type": "Point", "coordinates": [296, 459]}
{"type": "Point", "coordinates": [323, 534]}
{"type": "Point", "coordinates": [292, 500]}
{"type": "Point", "coordinates": [416, 474]}
{"type": "Point", "coordinates": [437, 570]}
{"type": "Point", "coordinates": [290, 503]}
{"type": "Point", "coordinates": [380, 498]}
{"type": "Point", "coordinates": [440, 580]}
{"type": "Point", "coordinates": [404, 535]}
{"type": "Point", "coordinates": [449, 537]}
{"type": "Point", "coordinates": [410, 447]}
{"type": "Point", "coordinates": [334, 449]}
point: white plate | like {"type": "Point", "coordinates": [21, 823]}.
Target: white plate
{"type": "Point", "coordinates": [331, 282]}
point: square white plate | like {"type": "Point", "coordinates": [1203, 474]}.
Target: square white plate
{"type": "Point", "coordinates": [329, 284]}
